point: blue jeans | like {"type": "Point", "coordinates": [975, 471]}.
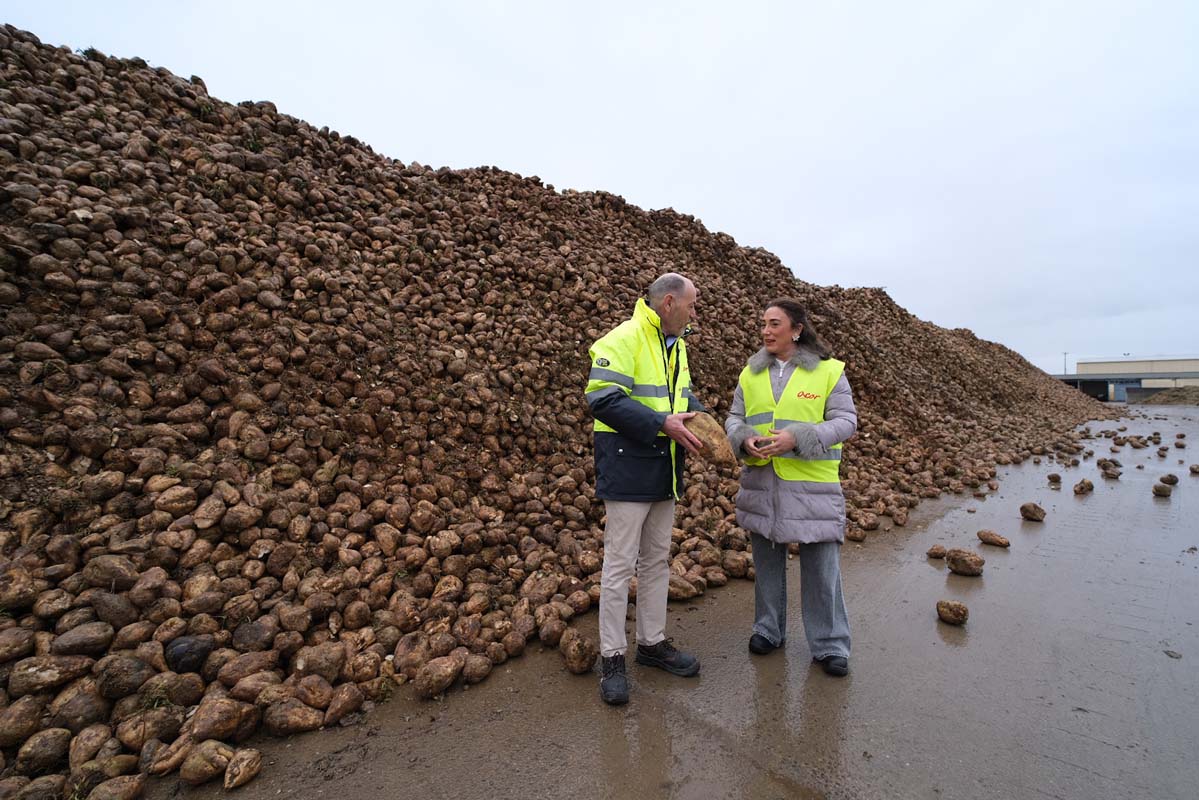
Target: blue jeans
{"type": "Point", "coordinates": [825, 620]}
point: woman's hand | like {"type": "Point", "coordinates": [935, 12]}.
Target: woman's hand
{"type": "Point", "coordinates": [778, 443]}
{"type": "Point", "coordinates": [751, 446]}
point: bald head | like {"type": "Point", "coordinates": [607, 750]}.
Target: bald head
{"type": "Point", "coordinates": [673, 297]}
{"type": "Point", "coordinates": [671, 283]}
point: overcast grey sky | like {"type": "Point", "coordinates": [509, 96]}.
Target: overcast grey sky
{"type": "Point", "coordinates": [1026, 170]}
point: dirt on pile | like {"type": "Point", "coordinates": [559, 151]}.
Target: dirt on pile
{"type": "Point", "coordinates": [284, 422]}
{"type": "Point", "coordinates": [1178, 396]}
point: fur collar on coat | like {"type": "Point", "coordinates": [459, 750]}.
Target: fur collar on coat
{"type": "Point", "coordinates": [803, 356]}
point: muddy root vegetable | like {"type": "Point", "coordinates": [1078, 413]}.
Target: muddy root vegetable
{"type": "Point", "coordinates": [437, 675]}
{"type": "Point", "coordinates": [124, 787]}
{"type": "Point", "coordinates": [994, 539]}
{"type": "Point", "coordinates": [43, 751]}
{"type": "Point", "coordinates": [952, 612]}
{"type": "Point", "coordinates": [1032, 512]}
{"type": "Point", "coordinates": [715, 445]}
{"type": "Point", "coordinates": [476, 668]}
{"type": "Point", "coordinates": [206, 760]}
{"type": "Point", "coordinates": [347, 699]}
{"type": "Point", "coordinates": [579, 652]}
{"type": "Point", "coordinates": [243, 767]}
{"type": "Point", "coordinates": [964, 562]}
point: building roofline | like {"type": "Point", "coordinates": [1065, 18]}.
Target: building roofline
{"type": "Point", "coordinates": [1121, 359]}
{"type": "Point", "coordinates": [1124, 376]}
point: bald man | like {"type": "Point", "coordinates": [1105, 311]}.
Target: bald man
{"type": "Point", "coordinates": [639, 391]}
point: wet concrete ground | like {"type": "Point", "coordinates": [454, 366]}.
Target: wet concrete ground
{"type": "Point", "coordinates": [1059, 686]}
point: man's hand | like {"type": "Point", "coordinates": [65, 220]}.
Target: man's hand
{"type": "Point", "coordinates": [674, 428]}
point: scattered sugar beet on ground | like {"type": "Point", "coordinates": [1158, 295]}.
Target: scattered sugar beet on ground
{"type": "Point", "coordinates": [284, 422]}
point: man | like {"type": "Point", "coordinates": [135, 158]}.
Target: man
{"type": "Point", "coordinates": [639, 391]}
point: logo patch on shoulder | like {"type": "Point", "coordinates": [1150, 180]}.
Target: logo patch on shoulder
{"type": "Point", "coordinates": [602, 362]}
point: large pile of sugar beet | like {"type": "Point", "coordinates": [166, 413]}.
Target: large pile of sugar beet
{"type": "Point", "coordinates": [284, 423]}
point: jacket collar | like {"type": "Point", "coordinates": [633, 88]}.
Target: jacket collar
{"type": "Point", "coordinates": [646, 315]}
{"type": "Point", "coordinates": [802, 357]}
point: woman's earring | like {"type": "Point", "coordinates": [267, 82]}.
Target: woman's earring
{"type": "Point", "coordinates": [795, 339]}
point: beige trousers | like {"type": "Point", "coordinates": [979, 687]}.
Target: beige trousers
{"type": "Point", "coordinates": [636, 540]}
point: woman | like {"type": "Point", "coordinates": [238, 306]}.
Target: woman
{"type": "Point", "coordinates": [791, 411]}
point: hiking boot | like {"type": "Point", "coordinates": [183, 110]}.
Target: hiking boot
{"type": "Point", "coordinates": [614, 684]}
{"type": "Point", "coordinates": [663, 655]}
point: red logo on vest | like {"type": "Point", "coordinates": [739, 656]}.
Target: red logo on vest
{"type": "Point", "coordinates": [808, 396]}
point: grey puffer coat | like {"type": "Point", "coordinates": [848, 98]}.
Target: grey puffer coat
{"type": "Point", "coordinates": [793, 511]}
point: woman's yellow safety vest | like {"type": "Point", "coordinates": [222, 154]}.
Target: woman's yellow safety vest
{"type": "Point", "coordinates": [802, 400]}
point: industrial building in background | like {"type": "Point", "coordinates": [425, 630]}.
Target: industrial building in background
{"type": "Point", "coordinates": [1131, 379]}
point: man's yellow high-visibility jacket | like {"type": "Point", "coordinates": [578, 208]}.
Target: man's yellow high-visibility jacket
{"type": "Point", "coordinates": [636, 381]}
